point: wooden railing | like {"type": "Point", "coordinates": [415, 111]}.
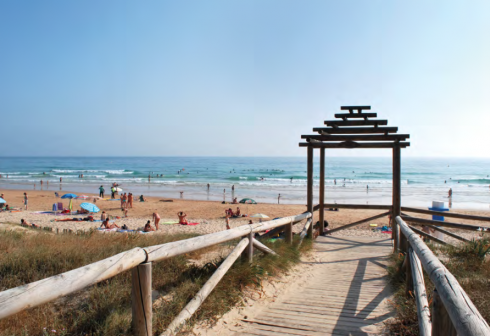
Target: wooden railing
{"type": "Point", "coordinates": [139, 260]}
{"type": "Point", "coordinates": [453, 313]}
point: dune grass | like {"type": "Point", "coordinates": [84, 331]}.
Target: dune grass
{"type": "Point", "coordinates": [468, 262]}
{"type": "Point", "coordinates": [105, 308]}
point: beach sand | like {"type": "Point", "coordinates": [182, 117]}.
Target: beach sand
{"type": "Point", "coordinates": [209, 214]}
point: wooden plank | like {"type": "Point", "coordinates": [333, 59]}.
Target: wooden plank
{"type": "Point", "coordinates": [347, 144]}
{"type": "Point", "coordinates": [208, 287]}
{"type": "Point", "coordinates": [356, 137]}
{"type": "Point", "coordinates": [358, 206]}
{"type": "Point", "coordinates": [464, 315]}
{"type": "Point", "coordinates": [429, 222]}
{"type": "Point", "coordinates": [355, 107]}
{"type": "Point", "coordinates": [356, 130]}
{"type": "Point", "coordinates": [364, 115]}
{"type": "Point", "coordinates": [447, 214]}
{"type": "Point", "coordinates": [375, 122]}
{"type": "Point", "coordinates": [261, 247]}
{"type": "Point", "coordinates": [420, 294]}
{"type": "Point", "coordinates": [362, 221]}
{"type": "Point", "coordinates": [322, 190]}
{"type": "Point", "coordinates": [451, 234]}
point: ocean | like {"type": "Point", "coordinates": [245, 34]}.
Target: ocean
{"type": "Point", "coordinates": [361, 180]}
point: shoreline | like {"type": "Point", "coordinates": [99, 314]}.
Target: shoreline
{"type": "Point", "coordinates": [410, 198]}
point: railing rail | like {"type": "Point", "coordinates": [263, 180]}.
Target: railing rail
{"type": "Point", "coordinates": [17, 299]}
{"type": "Point", "coordinates": [464, 316]}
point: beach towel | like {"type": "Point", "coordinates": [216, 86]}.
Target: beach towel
{"type": "Point", "coordinates": [168, 223]}
{"type": "Point", "coordinates": [189, 224]}
{"type": "Point", "coordinates": [106, 230]}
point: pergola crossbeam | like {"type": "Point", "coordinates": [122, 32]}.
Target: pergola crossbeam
{"type": "Point", "coordinates": [375, 122]}
{"type": "Point", "coordinates": [355, 130]}
{"type": "Point", "coordinates": [357, 137]}
{"type": "Point", "coordinates": [353, 144]}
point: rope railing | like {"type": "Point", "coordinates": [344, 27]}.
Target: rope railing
{"type": "Point", "coordinates": [464, 318]}
{"type": "Point", "coordinates": [15, 300]}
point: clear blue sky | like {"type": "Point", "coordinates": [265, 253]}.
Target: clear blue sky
{"type": "Point", "coordinates": [239, 78]}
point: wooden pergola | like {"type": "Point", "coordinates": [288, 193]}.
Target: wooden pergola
{"type": "Point", "coordinates": [354, 128]}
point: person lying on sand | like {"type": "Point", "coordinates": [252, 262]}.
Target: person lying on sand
{"type": "Point", "coordinates": [148, 227]}
{"type": "Point", "coordinates": [24, 223]}
{"type": "Point", "coordinates": [182, 218]}
{"type": "Point", "coordinates": [106, 225]}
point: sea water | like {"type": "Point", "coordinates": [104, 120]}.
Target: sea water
{"type": "Point", "coordinates": [363, 180]}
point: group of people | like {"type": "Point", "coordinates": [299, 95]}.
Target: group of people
{"type": "Point", "coordinates": [229, 213]}
{"type": "Point", "coordinates": [126, 201]}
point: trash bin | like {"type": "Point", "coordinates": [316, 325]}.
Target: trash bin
{"type": "Point", "coordinates": [438, 206]}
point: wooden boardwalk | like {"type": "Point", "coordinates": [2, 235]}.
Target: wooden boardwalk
{"type": "Point", "coordinates": [347, 294]}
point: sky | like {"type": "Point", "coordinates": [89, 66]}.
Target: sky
{"type": "Point", "coordinates": [239, 78]}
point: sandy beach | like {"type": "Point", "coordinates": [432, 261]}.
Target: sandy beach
{"type": "Point", "coordinates": [209, 214]}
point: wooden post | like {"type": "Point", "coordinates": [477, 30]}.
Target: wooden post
{"type": "Point", "coordinates": [289, 233]}
{"type": "Point", "coordinates": [141, 300]}
{"type": "Point", "coordinates": [322, 190]}
{"type": "Point", "coordinates": [248, 253]}
{"type": "Point", "coordinates": [396, 195]}
{"type": "Point", "coordinates": [408, 275]}
{"type": "Point", "coordinates": [441, 323]}
{"type": "Point", "coordinates": [309, 188]}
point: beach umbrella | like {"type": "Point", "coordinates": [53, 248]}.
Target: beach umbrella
{"type": "Point", "coordinates": [70, 196]}
{"type": "Point", "coordinates": [89, 207]}
{"type": "Point", "coordinates": [247, 201]}
{"type": "Point", "coordinates": [2, 200]}
{"type": "Point", "coordinates": [259, 215]}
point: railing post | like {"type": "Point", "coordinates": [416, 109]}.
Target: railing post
{"type": "Point", "coordinates": [408, 274]}
{"type": "Point", "coordinates": [441, 323]}
{"type": "Point", "coordinates": [141, 300]}
{"type": "Point", "coordinates": [309, 189]}
{"type": "Point", "coordinates": [289, 233]}
{"type": "Point", "coordinates": [248, 253]}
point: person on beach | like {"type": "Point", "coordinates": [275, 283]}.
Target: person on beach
{"type": "Point", "coordinates": [450, 193]}
{"type": "Point", "coordinates": [125, 212]}
{"type": "Point", "coordinates": [250, 222]}
{"type": "Point", "coordinates": [105, 225]}
{"type": "Point", "coordinates": [181, 194]}
{"type": "Point", "coordinates": [130, 200]}
{"type": "Point", "coordinates": [113, 191]}
{"type": "Point", "coordinates": [233, 188]}
{"type": "Point", "coordinates": [156, 219]}
{"type": "Point", "coordinates": [238, 213]}
{"type": "Point", "coordinates": [101, 191]}
{"type": "Point", "coordinates": [148, 227]}
{"type": "Point", "coordinates": [103, 216]}
{"type": "Point", "coordinates": [25, 200]}
{"type": "Point", "coordinates": [61, 179]}
{"type": "Point", "coordinates": [182, 218]}
{"type": "Point", "coordinates": [208, 186]}
{"type": "Point", "coordinates": [24, 223]}
{"type": "Point", "coordinates": [278, 198]}
{"type": "Point", "coordinates": [123, 201]}
{"type": "Point", "coordinates": [142, 198]}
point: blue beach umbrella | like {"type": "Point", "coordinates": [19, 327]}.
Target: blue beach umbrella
{"type": "Point", "coordinates": [89, 207]}
{"type": "Point", "coordinates": [2, 200]}
{"type": "Point", "coordinates": [69, 196]}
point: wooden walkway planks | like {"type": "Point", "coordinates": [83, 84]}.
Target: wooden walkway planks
{"type": "Point", "coordinates": [347, 294]}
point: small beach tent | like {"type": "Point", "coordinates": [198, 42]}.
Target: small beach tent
{"type": "Point", "coordinates": [89, 207]}
{"type": "Point", "coordinates": [248, 201]}
{"type": "Point", "coordinates": [259, 215]}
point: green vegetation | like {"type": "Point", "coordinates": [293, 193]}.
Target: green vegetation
{"type": "Point", "coordinates": [105, 309]}
{"type": "Point", "coordinates": [467, 262]}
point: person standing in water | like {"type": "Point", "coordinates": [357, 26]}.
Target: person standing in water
{"type": "Point", "coordinates": [450, 193]}
{"type": "Point", "coordinates": [208, 186]}
{"type": "Point", "coordinates": [278, 198]}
